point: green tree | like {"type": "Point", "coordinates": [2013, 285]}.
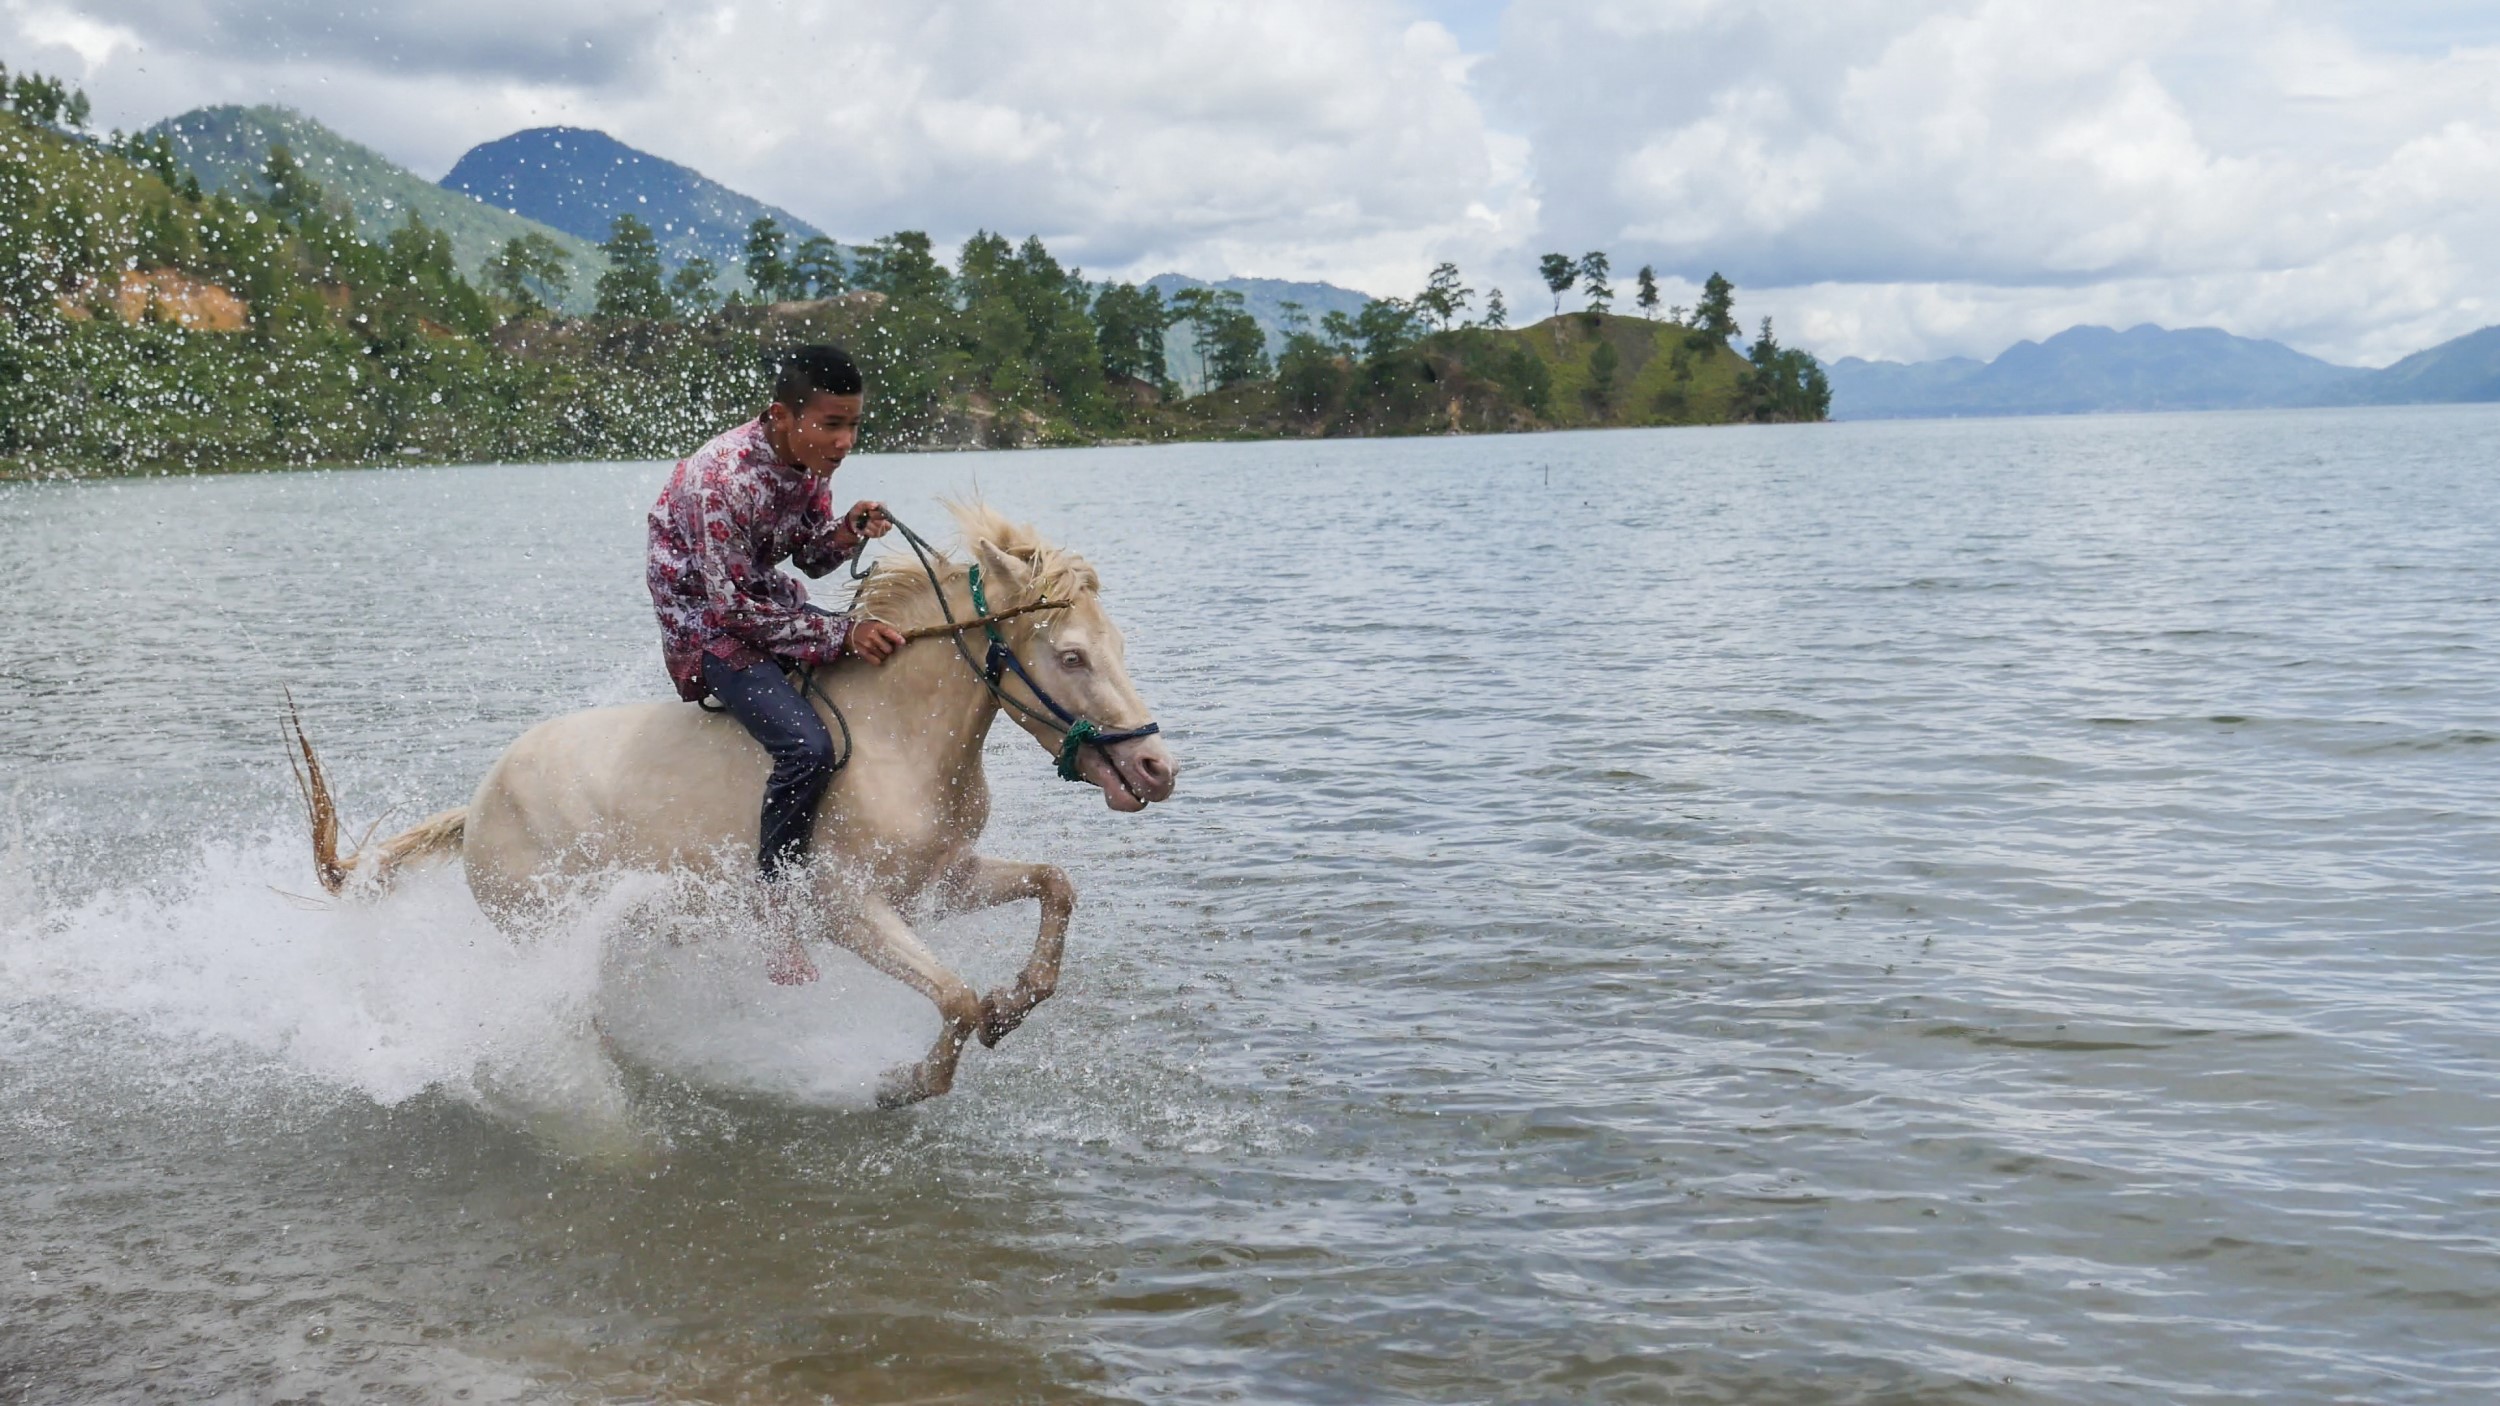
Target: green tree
{"type": "Point", "coordinates": [1339, 334]}
{"type": "Point", "coordinates": [1310, 376]}
{"type": "Point", "coordinates": [1604, 362]}
{"type": "Point", "coordinates": [76, 111]}
{"type": "Point", "coordinates": [1560, 271]}
{"type": "Point", "coordinates": [1387, 326]}
{"type": "Point", "coordinates": [530, 270]}
{"type": "Point", "coordinates": [1783, 384]}
{"type": "Point", "coordinates": [1647, 297]}
{"type": "Point", "coordinates": [1715, 315]}
{"type": "Point", "coordinates": [1496, 312]}
{"type": "Point", "coordinates": [1594, 266]}
{"type": "Point", "coordinates": [1128, 333]}
{"type": "Point", "coordinates": [1027, 326]}
{"type": "Point", "coordinates": [1443, 298]}
{"type": "Point", "coordinates": [911, 345]}
{"type": "Point", "coordinates": [39, 99]}
{"type": "Point", "coordinates": [293, 195]}
{"type": "Point", "coordinates": [1231, 346]}
{"type": "Point", "coordinates": [632, 285]}
{"type": "Point", "coordinates": [1528, 378]}
{"type": "Point", "coordinates": [693, 292]}
{"type": "Point", "coordinates": [817, 269]}
{"type": "Point", "coordinates": [903, 266]}
{"type": "Point", "coordinates": [768, 273]}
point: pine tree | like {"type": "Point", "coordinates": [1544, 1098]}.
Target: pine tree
{"type": "Point", "coordinates": [766, 271]}
{"type": "Point", "coordinates": [632, 286]}
{"type": "Point", "coordinates": [1647, 297]}
{"type": "Point", "coordinates": [692, 292]}
{"type": "Point", "coordinates": [1443, 299]}
{"type": "Point", "coordinates": [1560, 271]}
{"type": "Point", "coordinates": [1715, 315]}
{"type": "Point", "coordinates": [816, 270]}
{"type": "Point", "coordinates": [1594, 266]}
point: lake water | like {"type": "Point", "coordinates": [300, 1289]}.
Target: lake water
{"type": "Point", "coordinates": [1983, 911]}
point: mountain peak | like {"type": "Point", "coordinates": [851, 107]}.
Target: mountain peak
{"type": "Point", "coordinates": [579, 179]}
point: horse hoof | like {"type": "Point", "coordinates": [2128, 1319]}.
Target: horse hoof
{"type": "Point", "coordinates": [900, 1088]}
{"type": "Point", "coordinates": [995, 1023]}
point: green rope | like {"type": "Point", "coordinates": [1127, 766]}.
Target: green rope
{"type": "Point", "coordinates": [1079, 733]}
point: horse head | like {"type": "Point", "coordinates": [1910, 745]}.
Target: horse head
{"type": "Point", "coordinates": [1068, 667]}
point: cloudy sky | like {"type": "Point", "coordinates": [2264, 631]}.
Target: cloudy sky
{"type": "Point", "coordinates": [1889, 179]}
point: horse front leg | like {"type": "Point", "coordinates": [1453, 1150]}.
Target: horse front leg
{"type": "Point", "coordinates": [879, 935]}
{"type": "Point", "coordinates": [978, 882]}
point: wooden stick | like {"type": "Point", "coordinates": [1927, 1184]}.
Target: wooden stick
{"type": "Point", "coordinates": [976, 622]}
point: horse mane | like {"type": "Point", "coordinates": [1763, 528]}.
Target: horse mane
{"type": "Point", "coordinates": [897, 590]}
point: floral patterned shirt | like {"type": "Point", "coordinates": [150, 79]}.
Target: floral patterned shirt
{"type": "Point", "coordinates": [732, 512]}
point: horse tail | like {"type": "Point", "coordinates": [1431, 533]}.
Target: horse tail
{"type": "Point", "coordinates": [435, 835]}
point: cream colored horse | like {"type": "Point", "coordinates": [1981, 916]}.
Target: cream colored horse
{"type": "Point", "coordinates": [668, 787]}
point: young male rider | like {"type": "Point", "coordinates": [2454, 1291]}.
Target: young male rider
{"type": "Point", "coordinates": [729, 621]}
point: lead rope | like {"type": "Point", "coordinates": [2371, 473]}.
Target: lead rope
{"type": "Point", "coordinates": [1075, 733]}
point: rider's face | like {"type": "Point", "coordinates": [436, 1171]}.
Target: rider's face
{"type": "Point", "coordinates": [819, 435]}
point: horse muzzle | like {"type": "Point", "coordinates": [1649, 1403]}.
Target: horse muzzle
{"type": "Point", "coordinates": [1131, 774]}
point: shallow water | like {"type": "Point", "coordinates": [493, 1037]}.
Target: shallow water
{"type": "Point", "coordinates": [1985, 911]}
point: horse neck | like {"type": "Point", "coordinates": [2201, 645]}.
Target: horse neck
{"type": "Point", "coordinates": [932, 700]}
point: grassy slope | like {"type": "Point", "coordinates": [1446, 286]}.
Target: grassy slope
{"type": "Point", "coordinates": [1648, 390]}
{"type": "Point", "coordinates": [227, 148]}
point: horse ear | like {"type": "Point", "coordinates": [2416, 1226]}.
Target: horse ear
{"type": "Point", "coordinates": [1010, 577]}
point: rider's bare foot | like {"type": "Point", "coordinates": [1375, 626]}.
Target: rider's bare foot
{"type": "Point", "coordinates": [789, 966]}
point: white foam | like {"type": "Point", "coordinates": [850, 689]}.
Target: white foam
{"type": "Point", "coordinates": [419, 991]}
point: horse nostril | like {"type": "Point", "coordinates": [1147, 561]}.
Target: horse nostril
{"type": "Point", "coordinates": [1156, 769]}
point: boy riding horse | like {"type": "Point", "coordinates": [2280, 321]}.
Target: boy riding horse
{"type": "Point", "coordinates": [730, 623]}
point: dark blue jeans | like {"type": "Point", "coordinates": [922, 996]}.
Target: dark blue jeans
{"type": "Point", "coordinates": [802, 751]}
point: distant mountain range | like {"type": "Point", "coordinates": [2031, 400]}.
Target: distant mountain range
{"type": "Point", "coordinates": [228, 147]}
{"type": "Point", "coordinates": [579, 180]}
{"type": "Point", "coordinates": [2466, 368]}
{"type": "Point", "coordinates": [2087, 369]}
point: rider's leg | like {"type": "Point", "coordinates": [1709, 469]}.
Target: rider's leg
{"type": "Point", "coordinates": [802, 751]}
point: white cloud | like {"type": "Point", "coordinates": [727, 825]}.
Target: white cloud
{"type": "Point", "coordinates": [1920, 178]}
{"type": "Point", "coordinates": [53, 27]}
{"type": "Point", "coordinates": [1886, 177]}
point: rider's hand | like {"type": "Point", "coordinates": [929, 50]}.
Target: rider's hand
{"type": "Point", "coordinates": [872, 640]}
{"type": "Point", "coordinates": [867, 519]}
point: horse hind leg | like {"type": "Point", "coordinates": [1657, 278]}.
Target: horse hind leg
{"type": "Point", "coordinates": [981, 882]}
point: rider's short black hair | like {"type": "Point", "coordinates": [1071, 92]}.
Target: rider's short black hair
{"type": "Point", "coordinates": [804, 372]}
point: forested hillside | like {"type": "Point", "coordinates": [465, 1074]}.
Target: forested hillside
{"type": "Point", "coordinates": [228, 149]}
{"type": "Point", "coordinates": [148, 324]}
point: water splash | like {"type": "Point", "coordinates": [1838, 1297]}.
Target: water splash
{"type": "Point", "coordinates": [223, 954]}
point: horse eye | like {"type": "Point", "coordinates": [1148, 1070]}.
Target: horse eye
{"type": "Point", "coordinates": [1071, 659]}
